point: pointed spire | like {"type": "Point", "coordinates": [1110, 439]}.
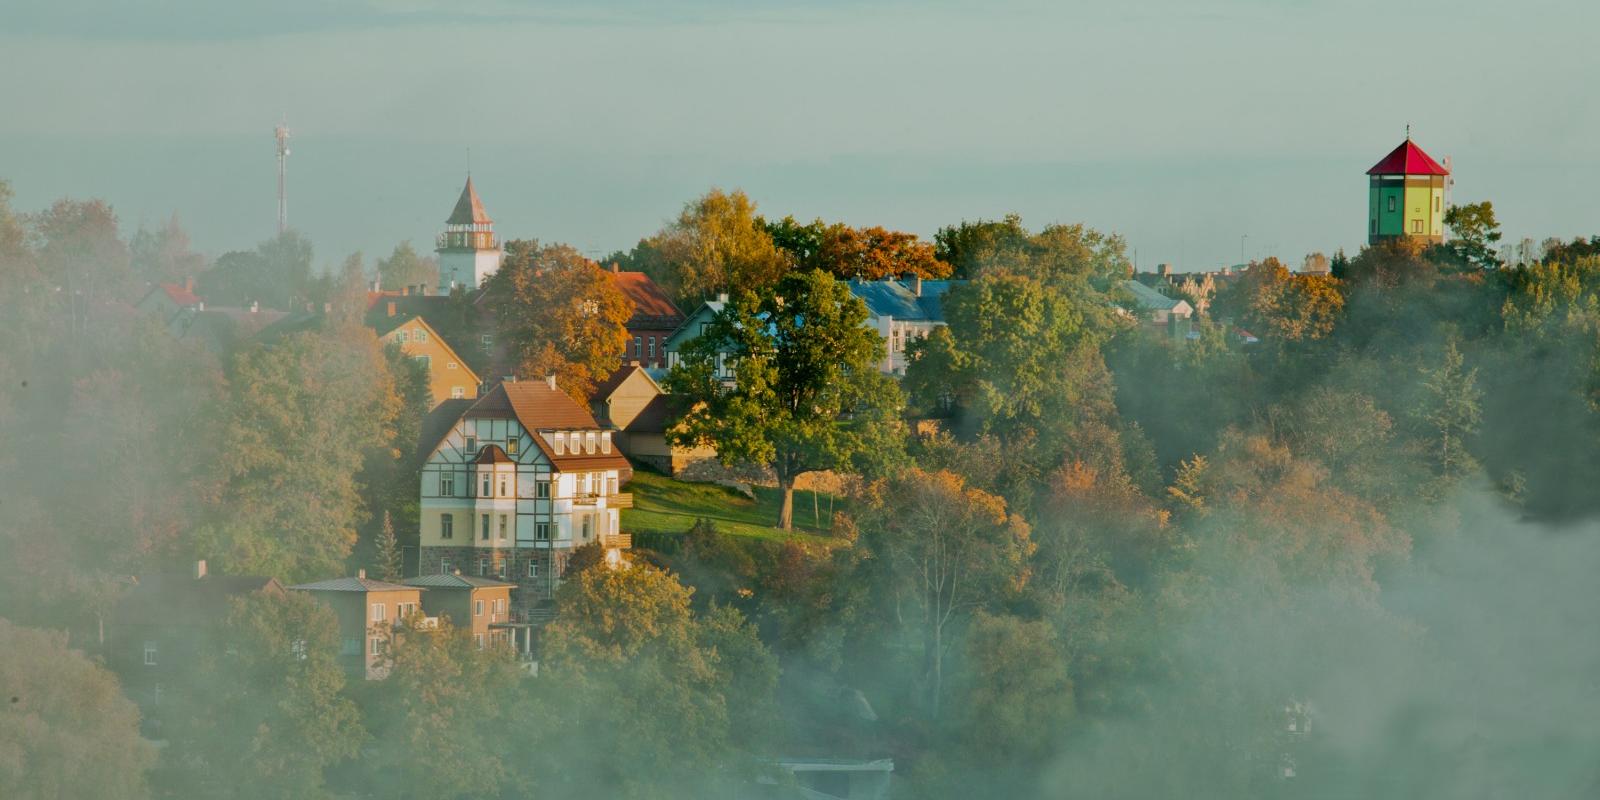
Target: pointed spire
{"type": "Point", "coordinates": [469, 209]}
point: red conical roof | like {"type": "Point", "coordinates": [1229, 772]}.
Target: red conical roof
{"type": "Point", "coordinates": [469, 209]}
{"type": "Point", "coordinates": [1407, 159]}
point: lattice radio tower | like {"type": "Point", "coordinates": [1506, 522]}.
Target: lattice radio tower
{"type": "Point", "coordinates": [282, 134]}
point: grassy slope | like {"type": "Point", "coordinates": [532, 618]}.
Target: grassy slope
{"type": "Point", "coordinates": [663, 504]}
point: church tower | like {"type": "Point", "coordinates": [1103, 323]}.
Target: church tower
{"type": "Point", "coordinates": [1406, 196]}
{"type": "Point", "coordinates": [468, 251]}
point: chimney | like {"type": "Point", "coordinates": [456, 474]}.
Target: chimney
{"type": "Point", "coordinates": [916, 284]}
{"type": "Point", "coordinates": [551, 379]}
{"type": "Point", "coordinates": [722, 297]}
{"type": "Point", "coordinates": [405, 291]}
{"type": "Point", "coordinates": [1164, 270]}
{"type": "Point", "coordinates": [391, 308]}
{"type": "Point", "coordinates": [200, 306]}
{"type": "Point", "coordinates": [373, 286]}
{"type": "Point", "coordinates": [615, 268]}
{"type": "Point", "coordinates": [361, 574]}
{"type": "Point", "coordinates": [188, 283]}
{"type": "Point", "coordinates": [254, 306]}
{"type": "Point", "coordinates": [199, 569]}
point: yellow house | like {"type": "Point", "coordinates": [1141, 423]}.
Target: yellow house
{"type": "Point", "coordinates": [449, 377]}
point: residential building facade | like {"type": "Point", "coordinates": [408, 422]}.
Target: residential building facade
{"type": "Point", "coordinates": [1405, 196]}
{"type": "Point", "coordinates": [522, 477]}
{"type": "Point", "coordinates": [449, 375]}
{"type": "Point", "coordinates": [633, 403]}
{"type": "Point", "coordinates": [368, 611]}
{"type": "Point", "coordinates": [480, 606]}
{"type": "Point", "coordinates": [654, 319]}
{"type": "Point", "coordinates": [901, 312]}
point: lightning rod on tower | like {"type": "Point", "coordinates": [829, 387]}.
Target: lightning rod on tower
{"type": "Point", "coordinates": [282, 134]}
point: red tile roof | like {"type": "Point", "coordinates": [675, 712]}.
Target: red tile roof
{"type": "Point", "coordinates": [648, 298]}
{"type": "Point", "coordinates": [1407, 159]}
{"type": "Point", "coordinates": [180, 295]}
{"type": "Point", "coordinates": [537, 406]}
{"type": "Point", "coordinates": [469, 209]}
{"type": "Point", "coordinates": [492, 454]}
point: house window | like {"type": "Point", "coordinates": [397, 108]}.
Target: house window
{"type": "Point", "coordinates": [477, 639]}
{"type": "Point", "coordinates": [458, 392]}
{"type": "Point", "coordinates": [403, 610]}
{"type": "Point", "coordinates": [486, 341]}
{"type": "Point", "coordinates": [400, 336]}
{"type": "Point", "coordinates": [502, 526]}
{"type": "Point", "coordinates": [533, 569]}
{"type": "Point", "coordinates": [149, 654]}
{"type": "Point", "coordinates": [1416, 226]}
{"type": "Point", "coordinates": [422, 335]}
{"type": "Point", "coordinates": [472, 445]}
{"type": "Point", "coordinates": [541, 490]}
{"type": "Point", "coordinates": [652, 348]}
{"type": "Point", "coordinates": [499, 605]}
{"type": "Point", "coordinates": [450, 365]}
{"type": "Point", "coordinates": [444, 566]}
{"type": "Point", "coordinates": [297, 649]}
{"type": "Point", "coordinates": [542, 530]}
{"type": "Point", "coordinates": [375, 645]}
{"type": "Point", "coordinates": [561, 442]}
{"type": "Point", "coordinates": [423, 360]}
{"type": "Point", "coordinates": [477, 608]}
{"type": "Point", "coordinates": [503, 486]}
{"type": "Point", "coordinates": [483, 567]}
{"type": "Point", "coordinates": [447, 484]}
{"type": "Point", "coordinates": [486, 492]}
{"type": "Point", "coordinates": [588, 524]}
{"type": "Point", "coordinates": [638, 346]}
{"type": "Point", "coordinates": [1435, 202]}
{"type": "Point", "coordinates": [447, 526]}
{"type": "Point", "coordinates": [1391, 203]}
{"type": "Point", "coordinates": [511, 445]}
{"type": "Point", "coordinates": [611, 488]}
{"type": "Point", "coordinates": [483, 532]}
{"type": "Point", "coordinates": [379, 612]}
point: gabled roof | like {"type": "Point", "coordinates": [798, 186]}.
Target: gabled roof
{"type": "Point", "coordinates": [180, 295]}
{"type": "Point", "coordinates": [649, 301]}
{"type": "Point", "coordinates": [386, 325]}
{"type": "Point", "coordinates": [1407, 159]}
{"type": "Point", "coordinates": [492, 454]}
{"type": "Point", "coordinates": [469, 209]}
{"type": "Point", "coordinates": [538, 406]}
{"type": "Point", "coordinates": [1148, 298]}
{"type": "Point", "coordinates": [603, 390]}
{"type": "Point", "coordinates": [455, 582]}
{"type": "Point", "coordinates": [355, 583]}
{"type": "Point", "coordinates": [438, 423]}
{"type": "Point", "coordinates": [895, 299]}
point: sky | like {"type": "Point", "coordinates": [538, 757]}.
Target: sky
{"type": "Point", "coordinates": [1200, 130]}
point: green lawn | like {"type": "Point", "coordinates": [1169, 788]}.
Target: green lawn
{"type": "Point", "coordinates": [664, 505]}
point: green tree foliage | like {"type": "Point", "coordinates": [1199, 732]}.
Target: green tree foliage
{"type": "Point", "coordinates": [949, 550]}
{"type": "Point", "coordinates": [559, 314]}
{"type": "Point", "coordinates": [261, 711]}
{"type": "Point", "coordinates": [404, 267]}
{"type": "Point", "coordinates": [303, 415]}
{"type": "Point", "coordinates": [277, 274]}
{"type": "Point", "coordinates": [805, 393]}
{"type": "Point", "coordinates": [165, 254]}
{"type": "Point", "coordinates": [717, 244]}
{"type": "Point", "coordinates": [66, 730]}
{"type": "Point", "coordinates": [627, 663]}
{"type": "Point", "coordinates": [1450, 413]}
{"type": "Point", "coordinates": [866, 253]}
{"type": "Point", "coordinates": [1014, 701]}
{"type": "Point", "coordinates": [386, 560]}
{"type": "Point", "coordinates": [1475, 235]}
{"type": "Point", "coordinates": [1069, 257]}
{"type": "Point", "coordinates": [78, 250]}
{"type": "Point", "coordinates": [440, 721]}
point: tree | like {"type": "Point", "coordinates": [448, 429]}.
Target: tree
{"type": "Point", "coordinates": [439, 724]}
{"type": "Point", "coordinates": [1014, 695]}
{"type": "Point", "coordinates": [405, 268]}
{"type": "Point", "coordinates": [1450, 412]}
{"type": "Point", "coordinates": [277, 274]}
{"type": "Point", "coordinates": [261, 711]}
{"type": "Point", "coordinates": [67, 730]}
{"type": "Point", "coordinates": [628, 667]}
{"type": "Point", "coordinates": [862, 253]}
{"type": "Point", "coordinates": [806, 393]}
{"type": "Point", "coordinates": [717, 244]}
{"type": "Point", "coordinates": [1069, 257]}
{"type": "Point", "coordinates": [165, 255]}
{"type": "Point", "coordinates": [1281, 306]}
{"type": "Point", "coordinates": [304, 415]}
{"type": "Point", "coordinates": [386, 561]}
{"type": "Point", "coordinates": [559, 314]}
{"type": "Point", "coordinates": [1476, 235]}
{"type": "Point", "coordinates": [950, 550]}
{"type": "Point", "coordinates": [78, 250]}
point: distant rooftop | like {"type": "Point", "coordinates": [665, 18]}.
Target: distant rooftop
{"type": "Point", "coordinates": [356, 583]}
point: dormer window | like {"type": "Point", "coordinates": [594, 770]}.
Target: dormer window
{"type": "Point", "coordinates": [605, 442]}
{"type": "Point", "coordinates": [588, 442]}
{"type": "Point", "coordinates": [561, 443]}
{"type": "Point", "coordinates": [511, 446]}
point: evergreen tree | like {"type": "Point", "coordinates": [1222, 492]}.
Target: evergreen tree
{"type": "Point", "coordinates": [386, 561]}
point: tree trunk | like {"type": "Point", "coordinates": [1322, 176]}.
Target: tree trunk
{"type": "Point", "coordinates": [786, 511]}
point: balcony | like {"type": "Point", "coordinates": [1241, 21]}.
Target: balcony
{"type": "Point", "coordinates": [621, 500]}
{"type": "Point", "coordinates": [621, 541]}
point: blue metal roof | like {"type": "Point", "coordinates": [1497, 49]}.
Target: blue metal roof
{"type": "Point", "coordinates": [1149, 299]}
{"type": "Point", "coordinates": [896, 299]}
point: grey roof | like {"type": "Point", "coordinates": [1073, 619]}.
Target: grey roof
{"type": "Point", "coordinates": [896, 299]}
{"type": "Point", "coordinates": [1148, 298]}
{"type": "Point", "coordinates": [455, 582]}
{"type": "Point", "coordinates": [351, 584]}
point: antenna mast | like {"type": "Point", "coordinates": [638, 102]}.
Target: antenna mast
{"type": "Point", "coordinates": [282, 134]}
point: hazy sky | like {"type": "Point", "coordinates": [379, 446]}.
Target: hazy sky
{"type": "Point", "coordinates": [1180, 124]}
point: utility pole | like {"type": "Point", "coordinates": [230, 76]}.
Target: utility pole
{"type": "Point", "coordinates": [282, 134]}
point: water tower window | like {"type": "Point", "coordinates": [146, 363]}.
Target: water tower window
{"type": "Point", "coordinates": [1391, 203]}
